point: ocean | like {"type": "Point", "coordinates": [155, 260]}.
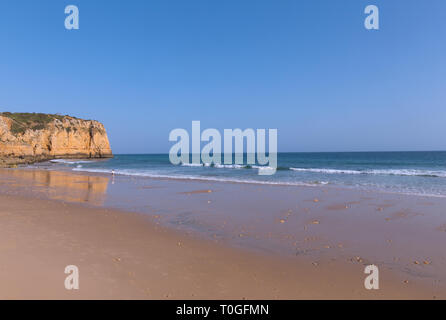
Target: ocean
{"type": "Point", "coordinates": [422, 173]}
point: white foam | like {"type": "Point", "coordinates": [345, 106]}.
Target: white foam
{"type": "Point", "coordinates": [229, 166]}
{"type": "Point", "coordinates": [215, 165]}
{"type": "Point", "coordinates": [395, 172]}
{"type": "Point", "coordinates": [69, 161]}
{"type": "Point", "coordinates": [263, 168]}
{"type": "Point", "coordinates": [410, 172]}
{"type": "Point", "coordinates": [329, 171]}
{"type": "Point", "coordinates": [192, 164]}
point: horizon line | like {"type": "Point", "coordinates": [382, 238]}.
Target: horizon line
{"type": "Point", "coordinates": [394, 151]}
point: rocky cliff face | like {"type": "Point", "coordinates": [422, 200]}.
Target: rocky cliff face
{"type": "Point", "coordinates": [32, 137]}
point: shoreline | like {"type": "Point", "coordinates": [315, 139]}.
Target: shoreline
{"type": "Point", "coordinates": [217, 180]}
{"type": "Point", "coordinates": [288, 255]}
{"type": "Point", "coordinates": [249, 182]}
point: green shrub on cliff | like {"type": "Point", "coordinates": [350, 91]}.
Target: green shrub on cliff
{"type": "Point", "coordinates": [34, 121]}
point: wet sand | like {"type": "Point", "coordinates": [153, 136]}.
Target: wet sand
{"type": "Point", "coordinates": [165, 239]}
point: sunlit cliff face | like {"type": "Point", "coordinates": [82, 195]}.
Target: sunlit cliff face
{"type": "Point", "coordinates": [60, 137]}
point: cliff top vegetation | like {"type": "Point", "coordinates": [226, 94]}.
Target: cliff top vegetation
{"type": "Point", "coordinates": [34, 121]}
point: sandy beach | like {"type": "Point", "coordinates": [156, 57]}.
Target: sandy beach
{"type": "Point", "coordinates": [230, 150]}
{"type": "Point", "coordinates": [52, 219]}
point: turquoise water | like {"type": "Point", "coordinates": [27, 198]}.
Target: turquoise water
{"type": "Point", "coordinates": [406, 172]}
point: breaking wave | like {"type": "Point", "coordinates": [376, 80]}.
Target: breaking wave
{"type": "Point", "coordinates": [192, 177]}
{"type": "Point", "coordinates": [392, 172]}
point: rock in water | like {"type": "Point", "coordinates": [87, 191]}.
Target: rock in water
{"type": "Point", "coordinates": [32, 137]}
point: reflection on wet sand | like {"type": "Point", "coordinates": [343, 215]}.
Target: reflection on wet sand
{"type": "Point", "coordinates": [58, 185]}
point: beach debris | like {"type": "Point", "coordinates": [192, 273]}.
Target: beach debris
{"type": "Point", "coordinates": [316, 200]}
{"type": "Point", "coordinates": [427, 262]}
{"type": "Point", "coordinates": [327, 247]}
{"type": "Point", "coordinates": [282, 220]}
{"type": "Point", "coordinates": [209, 201]}
{"type": "Point", "coordinates": [179, 243]}
{"type": "Point", "coordinates": [315, 264]}
{"type": "Point", "coordinates": [315, 222]}
{"type": "Point", "coordinates": [379, 209]}
{"type": "Point", "coordinates": [117, 259]}
{"type": "Point", "coordinates": [209, 191]}
{"type": "Point", "coordinates": [340, 245]}
{"type": "Point", "coordinates": [406, 281]}
{"type": "Point", "coordinates": [416, 262]}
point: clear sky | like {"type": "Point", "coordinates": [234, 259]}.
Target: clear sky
{"type": "Point", "coordinates": [306, 67]}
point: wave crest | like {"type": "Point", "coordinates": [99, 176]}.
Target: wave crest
{"type": "Point", "coordinates": [392, 172]}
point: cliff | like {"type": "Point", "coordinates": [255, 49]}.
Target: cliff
{"type": "Point", "coordinates": [32, 137]}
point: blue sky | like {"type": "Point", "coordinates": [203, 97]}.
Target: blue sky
{"type": "Point", "coordinates": [308, 68]}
